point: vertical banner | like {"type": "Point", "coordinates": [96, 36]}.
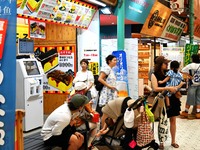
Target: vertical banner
{"type": "Point", "coordinates": [7, 73]}
{"type": "Point", "coordinates": [121, 73]}
{"type": "Point", "coordinates": [189, 51]}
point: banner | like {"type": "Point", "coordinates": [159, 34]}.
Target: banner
{"type": "Point", "coordinates": [74, 13]}
{"type": "Point", "coordinates": [156, 21]}
{"type": "Point", "coordinates": [173, 29]}
{"type": "Point", "coordinates": [58, 63]}
{"type": "Point", "coordinates": [138, 10]}
{"type": "Point", "coordinates": [189, 51]}
{"type": "Point", "coordinates": [7, 73]}
{"type": "Point", "coordinates": [121, 73]}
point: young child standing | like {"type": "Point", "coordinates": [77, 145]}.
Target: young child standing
{"type": "Point", "coordinates": [174, 78]}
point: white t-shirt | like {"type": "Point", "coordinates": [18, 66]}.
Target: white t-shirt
{"type": "Point", "coordinates": [192, 70]}
{"type": "Point", "coordinates": [56, 122]}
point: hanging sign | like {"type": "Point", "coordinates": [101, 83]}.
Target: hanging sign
{"type": "Point", "coordinates": [173, 29]}
{"type": "Point", "coordinates": [156, 20]}
{"type": "Point", "coordinates": [177, 5]}
{"type": "Point", "coordinates": [138, 10]}
{"type": "Point", "coordinates": [197, 28]}
{"type": "Point", "coordinates": [3, 28]}
{"type": "Point", "coordinates": [73, 13]}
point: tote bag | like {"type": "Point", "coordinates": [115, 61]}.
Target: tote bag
{"type": "Point", "coordinates": [145, 134]}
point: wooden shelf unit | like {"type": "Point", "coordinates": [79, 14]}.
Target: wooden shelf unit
{"type": "Point", "coordinates": [144, 55]}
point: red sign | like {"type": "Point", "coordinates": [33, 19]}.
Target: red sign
{"type": "Point", "coordinates": [3, 28]}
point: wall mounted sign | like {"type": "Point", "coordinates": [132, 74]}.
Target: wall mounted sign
{"type": "Point", "coordinates": [156, 21]}
{"type": "Point", "coordinates": [69, 12]}
{"type": "Point", "coordinates": [37, 29]}
{"type": "Point", "coordinates": [189, 51]}
{"type": "Point", "coordinates": [173, 29]}
{"type": "Point", "coordinates": [138, 10]}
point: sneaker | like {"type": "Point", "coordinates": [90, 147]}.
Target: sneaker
{"type": "Point", "coordinates": [198, 115]}
{"type": "Point", "coordinates": [185, 114]}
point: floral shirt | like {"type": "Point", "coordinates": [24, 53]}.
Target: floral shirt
{"type": "Point", "coordinates": [106, 93]}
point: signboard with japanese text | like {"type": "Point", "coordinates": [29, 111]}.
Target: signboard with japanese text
{"type": "Point", "coordinates": [58, 63]}
{"type": "Point", "coordinates": [37, 29]}
{"type": "Point", "coordinates": [138, 10]}
{"type": "Point", "coordinates": [156, 21]}
{"type": "Point", "coordinates": [73, 13]}
{"type": "Point", "coordinates": [173, 29]}
{"type": "Point", "coordinates": [7, 73]}
{"type": "Point", "coordinates": [189, 51]}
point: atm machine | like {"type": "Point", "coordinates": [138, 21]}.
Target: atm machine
{"type": "Point", "coordinates": [29, 91]}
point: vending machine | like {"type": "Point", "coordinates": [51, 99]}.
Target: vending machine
{"type": "Point", "coordinates": [29, 91]}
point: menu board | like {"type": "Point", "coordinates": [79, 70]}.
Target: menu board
{"type": "Point", "coordinates": [68, 12]}
{"type": "Point", "coordinates": [156, 21]}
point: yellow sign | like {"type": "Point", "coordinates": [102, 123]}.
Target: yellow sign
{"type": "Point", "coordinates": [22, 31]}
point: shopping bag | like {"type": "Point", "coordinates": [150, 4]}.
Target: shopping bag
{"type": "Point", "coordinates": [145, 134]}
{"type": "Point", "coordinates": [149, 113]}
{"type": "Point", "coordinates": [163, 126]}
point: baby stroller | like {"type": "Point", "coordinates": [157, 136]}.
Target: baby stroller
{"type": "Point", "coordinates": [118, 135]}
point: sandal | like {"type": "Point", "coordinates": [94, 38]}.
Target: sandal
{"type": "Point", "coordinates": [175, 145]}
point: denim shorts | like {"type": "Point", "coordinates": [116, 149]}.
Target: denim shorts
{"type": "Point", "coordinates": [193, 96]}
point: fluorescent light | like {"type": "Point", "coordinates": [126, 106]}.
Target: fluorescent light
{"type": "Point", "coordinates": [106, 11]}
{"type": "Point", "coordinates": [98, 3]}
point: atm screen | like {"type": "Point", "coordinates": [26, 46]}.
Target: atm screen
{"type": "Point", "coordinates": [31, 68]}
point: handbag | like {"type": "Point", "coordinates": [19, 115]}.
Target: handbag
{"type": "Point", "coordinates": [163, 126]}
{"type": "Point", "coordinates": [145, 134]}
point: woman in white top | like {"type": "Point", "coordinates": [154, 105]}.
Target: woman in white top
{"type": "Point", "coordinates": [84, 75]}
{"type": "Point", "coordinates": [108, 79]}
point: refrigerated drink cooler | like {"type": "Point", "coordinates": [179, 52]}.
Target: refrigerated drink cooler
{"type": "Point", "coordinates": [29, 92]}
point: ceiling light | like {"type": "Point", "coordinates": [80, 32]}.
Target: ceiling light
{"type": "Point", "coordinates": [106, 11]}
{"type": "Point", "coordinates": [98, 3]}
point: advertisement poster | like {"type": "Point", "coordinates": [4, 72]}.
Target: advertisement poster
{"type": "Point", "coordinates": [156, 21]}
{"type": "Point", "coordinates": [37, 29]}
{"type": "Point", "coordinates": [189, 51]}
{"type": "Point", "coordinates": [59, 65]}
{"type": "Point", "coordinates": [7, 74]}
{"type": "Point", "coordinates": [173, 29]}
{"type": "Point", "coordinates": [92, 55]}
{"type": "Point", "coordinates": [138, 10]}
{"type": "Point", "coordinates": [131, 49]}
{"type": "Point", "coordinates": [68, 12]}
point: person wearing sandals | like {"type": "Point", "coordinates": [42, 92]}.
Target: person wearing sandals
{"type": "Point", "coordinates": [160, 69]}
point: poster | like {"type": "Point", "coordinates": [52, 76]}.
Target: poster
{"type": "Point", "coordinates": [131, 49]}
{"type": "Point", "coordinates": [37, 29]}
{"type": "Point", "coordinates": [68, 12]}
{"type": "Point", "coordinates": [59, 66]}
{"type": "Point", "coordinates": [156, 21]}
{"type": "Point", "coordinates": [173, 29]}
{"type": "Point", "coordinates": [7, 74]}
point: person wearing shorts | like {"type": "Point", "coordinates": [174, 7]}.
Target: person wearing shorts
{"type": "Point", "coordinates": [58, 129]}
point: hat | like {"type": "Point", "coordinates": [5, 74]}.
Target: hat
{"type": "Point", "coordinates": [161, 60]}
{"type": "Point", "coordinates": [78, 86]}
{"type": "Point", "coordinates": [79, 100]}
{"type": "Point", "coordinates": [129, 118]}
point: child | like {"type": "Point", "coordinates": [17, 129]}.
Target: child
{"type": "Point", "coordinates": [174, 78]}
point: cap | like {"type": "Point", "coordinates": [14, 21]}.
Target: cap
{"type": "Point", "coordinates": [78, 86]}
{"type": "Point", "coordinates": [161, 59]}
{"type": "Point", "coordinates": [79, 100]}
{"type": "Point", "coordinates": [129, 118]}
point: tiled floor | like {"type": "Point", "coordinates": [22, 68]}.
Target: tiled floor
{"type": "Point", "coordinates": [188, 133]}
